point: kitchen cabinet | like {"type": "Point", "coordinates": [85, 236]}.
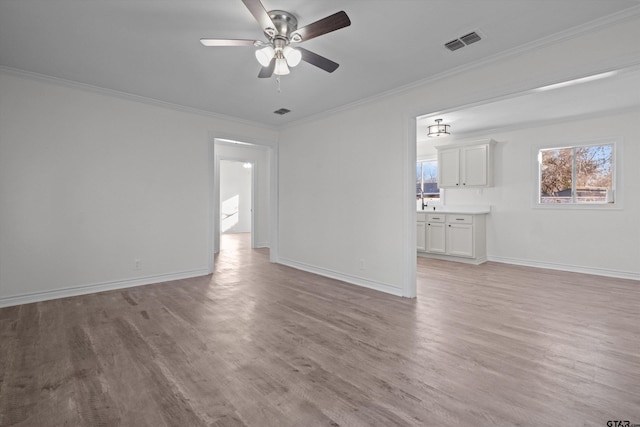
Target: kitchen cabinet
{"type": "Point", "coordinates": [465, 165]}
{"type": "Point", "coordinates": [460, 236]}
{"type": "Point", "coordinates": [436, 232]}
{"type": "Point", "coordinates": [448, 168]}
{"type": "Point", "coordinates": [457, 237]}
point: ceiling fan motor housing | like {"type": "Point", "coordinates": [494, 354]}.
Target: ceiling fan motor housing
{"type": "Point", "coordinates": [284, 22]}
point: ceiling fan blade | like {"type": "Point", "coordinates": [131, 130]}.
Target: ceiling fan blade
{"type": "Point", "coordinates": [325, 25]}
{"type": "Point", "coordinates": [259, 12]}
{"type": "Point", "coordinates": [227, 42]}
{"type": "Point", "coordinates": [317, 60]}
{"type": "Point", "coordinates": [266, 72]}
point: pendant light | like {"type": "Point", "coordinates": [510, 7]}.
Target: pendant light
{"type": "Point", "coordinates": [438, 129]}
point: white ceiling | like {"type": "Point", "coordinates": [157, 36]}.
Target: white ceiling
{"type": "Point", "coordinates": [151, 48]}
{"type": "Point", "coordinates": [619, 91]}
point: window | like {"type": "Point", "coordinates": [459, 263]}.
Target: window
{"type": "Point", "coordinates": [576, 175]}
{"type": "Point", "coordinates": [427, 179]}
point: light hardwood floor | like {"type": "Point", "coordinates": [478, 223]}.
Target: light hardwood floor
{"type": "Point", "coordinates": [260, 344]}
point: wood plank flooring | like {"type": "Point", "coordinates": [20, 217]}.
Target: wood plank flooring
{"type": "Point", "coordinates": [259, 344]}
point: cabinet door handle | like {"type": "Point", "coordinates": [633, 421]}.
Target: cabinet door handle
{"type": "Point", "coordinates": [457, 183]}
{"type": "Point", "coordinates": [464, 183]}
{"type": "Point", "coordinates": [449, 225]}
{"type": "Point", "coordinates": [459, 219]}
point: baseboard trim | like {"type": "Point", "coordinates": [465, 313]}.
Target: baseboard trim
{"type": "Point", "coordinates": [97, 287]}
{"type": "Point", "coordinates": [347, 278]}
{"type": "Point", "coordinates": [472, 261]}
{"type": "Point", "coordinates": [567, 267]}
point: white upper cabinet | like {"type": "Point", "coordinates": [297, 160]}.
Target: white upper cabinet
{"type": "Point", "coordinates": [465, 165]}
{"type": "Point", "coordinates": [448, 167]}
{"type": "Point", "coordinates": [475, 165]}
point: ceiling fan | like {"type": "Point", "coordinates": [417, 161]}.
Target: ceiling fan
{"type": "Point", "coordinates": [281, 29]}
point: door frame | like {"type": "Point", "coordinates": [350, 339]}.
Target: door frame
{"type": "Point", "coordinates": [213, 217]}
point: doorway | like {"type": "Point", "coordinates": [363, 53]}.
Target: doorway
{"type": "Point", "coordinates": [243, 191]}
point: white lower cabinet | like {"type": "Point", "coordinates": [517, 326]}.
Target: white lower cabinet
{"type": "Point", "coordinates": [436, 234]}
{"type": "Point", "coordinates": [460, 240]}
{"type": "Point", "coordinates": [460, 237]}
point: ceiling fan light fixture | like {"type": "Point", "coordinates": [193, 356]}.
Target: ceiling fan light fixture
{"type": "Point", "coordinates": [265, 55]}
{"type": "Point", "coordinates": [438, 129]}
{"type": "Point", "coordinates": [293, 56]}
{"type": "Point", "coordinates": [281, 28]}
{"type": "Point", "coordinates": [281, 68]}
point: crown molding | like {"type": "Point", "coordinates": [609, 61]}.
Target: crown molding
{"type": "Point", "coordinates": [489, 132]}
{"type": "Point", "coordinates": [598, 24]}
{"type": "Point", "coordinates": [129, 96]}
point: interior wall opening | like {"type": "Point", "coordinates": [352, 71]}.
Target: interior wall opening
{"type": "Point", "coordinates": [242, 197]}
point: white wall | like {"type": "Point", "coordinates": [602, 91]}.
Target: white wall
{"type": "Point", "coordinates": [601, 241]}
{"type": "Point", "coordinates": [341, 197]}
{"type": "Point", "coordinates": [235, 197]}
{"type": "Point", "coordinates": [89, 182]}
{"type": "Point", "coordinates": [346, 178]}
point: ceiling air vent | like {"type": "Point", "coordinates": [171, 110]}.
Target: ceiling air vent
{"type": "Point", "coordinates": [463, 41]}
{"type": "Point", "coordinates": [454, 45]}
{"type": "Point", "coordinates": [470, 38]}
{"type": "Point", "coordinates": [282, 111]}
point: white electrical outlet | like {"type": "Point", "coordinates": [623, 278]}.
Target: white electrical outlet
{"type": "Point", "coordinates": [362, 265]}
{"type": "Point", "coordinates": [137, 264]}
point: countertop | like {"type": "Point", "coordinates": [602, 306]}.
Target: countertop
{"type": "Point", "coordinates": [474, 210]}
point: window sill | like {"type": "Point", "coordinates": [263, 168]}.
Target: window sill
{"type": "Point", "coordinates": [579, 207]}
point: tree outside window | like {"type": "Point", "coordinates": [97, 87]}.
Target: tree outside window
{"type": "Point", "coordinates": [427, 179]}
{"type": "Point", "coordinates": [576, 175]}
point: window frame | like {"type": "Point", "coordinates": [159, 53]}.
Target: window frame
{"type": "Point", "coordinates": [616, 184]}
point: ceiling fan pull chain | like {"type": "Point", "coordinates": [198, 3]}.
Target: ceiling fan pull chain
{"type": "Point", "coordinates": [278, 82]}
